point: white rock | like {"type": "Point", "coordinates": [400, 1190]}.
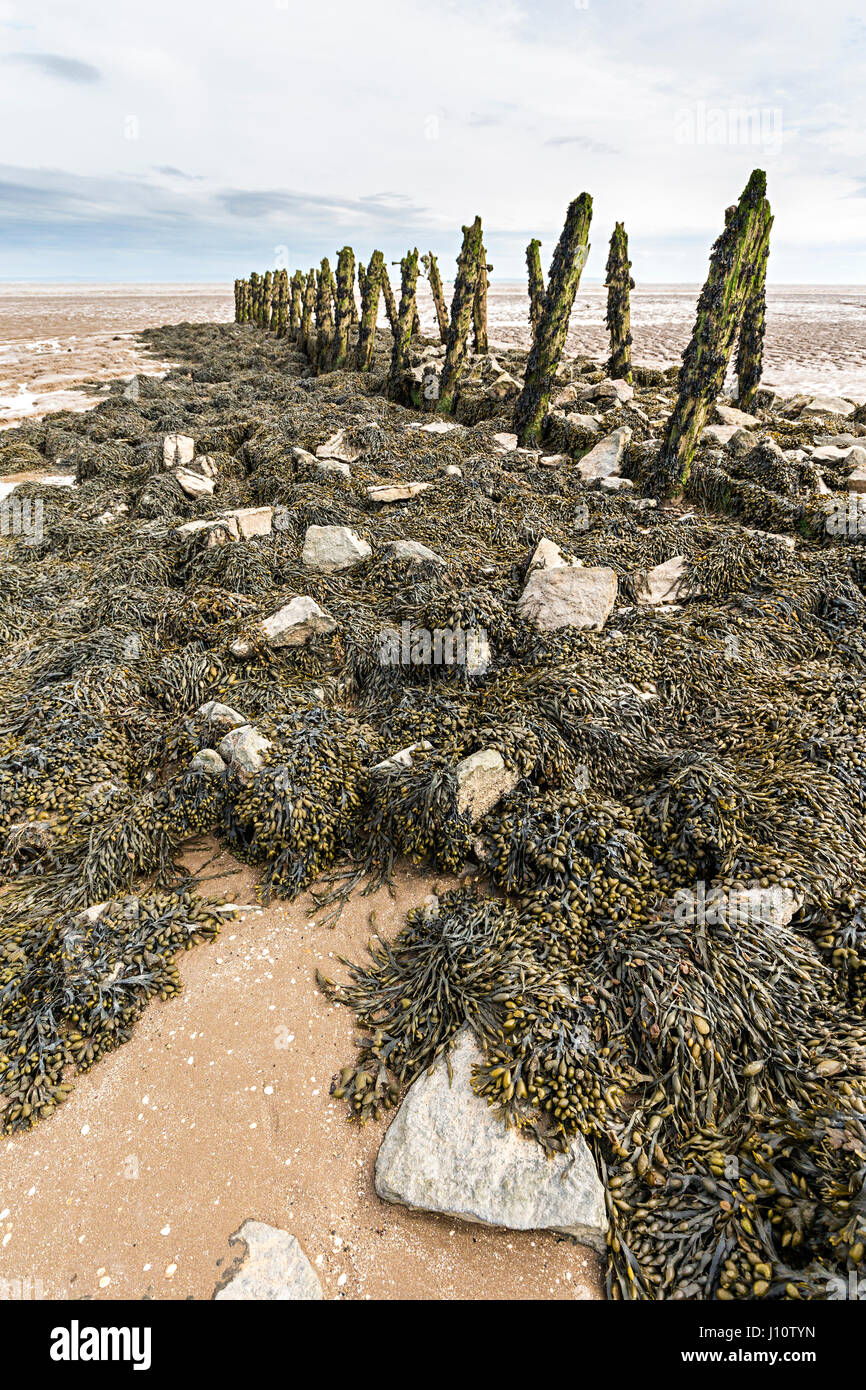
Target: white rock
{"type": "Point", "coordinates": [251, 521]}
{"type": "Point", "coordinates": [207, 465]}
{"type": "Point", "coordinates": [448, 1151]}
{"type": "Point", "coordinates": [275, 1268]}
{"type": "Point", "coordinates": [435, 426]}
{"type": "Point", "coordinates": [718, 434]}
{"type": "Point", "coordinates": [554, 460]}
{"type": "Point", "coordinates": [615, 484]}
{"type": "Point", "coordinates": [569, 597]}
{"type": "Point", "coordinates": [547, 555]}
{"type": "Point", "coordinates": [194, 484]}
{"type": "Point", "coordinates": [338, 448]}
{"type": "Point", "coordinates": [506, 442]}
{"type": "Point", "coordinates": [329, 549]}
{"type": "Point", "coordinates": [404, 757]}
{"type": "Point", "coordinates": [828, 405]}
{"type": "Point", "coordinates": [222, 529]}
{"type": "Point", "coordinates": [452, 470]}
{"type": "Point", "coordinates": [588, 423]}
{"type": "Point", "coordinates": [831, 453]}
{"type": "Point", "coordinates": [291, 626]}
{"type": "Point", "coordinates": [413, 551]}
{"type": "Point", "coordinates": [330, 467]}
{"type": "Point", "coordinates": [607, 390]}
{"type": "Point", "coordinates": [665, 583]}
{"type": "Point", "coordinates": [482, 780]}
{"type": "Point", "coordinates": [223, 715]}
{"type": "Point", "coordinates": [395, 492]}
{"type": "Point", "coordinates": [604, 458]}
{"type": "Point", "coordinates": [857, 479]}
{"type": "Point", "coordinates": [244, 748]}
{"type": "Point", "coordinates": [209, 761]}
{"type": "Point", "coordinates": [177, 448]}
{"type": "Point", "coordinates": [729, 415]}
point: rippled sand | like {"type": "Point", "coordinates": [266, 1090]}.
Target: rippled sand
{"type": "Point", "coordinates": [59, 344]}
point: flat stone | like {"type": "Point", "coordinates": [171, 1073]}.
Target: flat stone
{"type": "Point", "coordinates": [554, 460]}
{"type": "Point", "coordinates": [665, 583]}
{"type": "Point", "coordinates": [275, 1268]}
{"type": "Point", "coordinates": [329, 549]}
{"type": "Point", "coordinates": [222, 530]}
{"type": "Point", "coordinates": [243, 749]}
{"type": "Point", "coordinates": [251, 521]}
{"type": "Point", "coordinates": [832, 453]}
{"type": "Point", "coordinates": [482, 780]}
{"type": "Point", "coordinates": [607, 390]}
{"type": "Point", "coordinates": [194, 484]}
{"type": "Point", "coordinates": [857, 479]}
{"type": "Point", "coordinates": [729, 415]}
{"type": "Point", "coordinates": [177, 449]}
{"type": "Point", "coordinates": [615, 484]}
{"type": "Point", "coordinates": [291, 626]}
{"type": "Point", "coordinates": [506, 442]}
{"type": "Point", "coordinates": [448, 1151]}
{"type": "Point", "coordinates": [338, 447]}
{"type": "Point", "coordinates": [718, 434]}
{"type": "Point", "coordinates": [395, 492]}
{"type": "Point", "coordinates": [604, 458]}
{"type": "Point", "coordinates": [435, 426]}
{"type": "Point", "coordinates": [222, 715]}
{"type": "Point", "coordinates": [330, 467]}
{"type": "Point", "coordinates": [569, 597]}
{"type": "Point", "coordinates": [828, 405]}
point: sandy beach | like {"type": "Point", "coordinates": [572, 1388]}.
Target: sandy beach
{"type": "Point", "coordinates": [218, 1110]}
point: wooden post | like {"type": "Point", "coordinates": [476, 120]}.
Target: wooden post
{"type": "Point", "coordinates": [468, 267]}
{"type": "Point", "coordinates": [345, 297]}
{"type": "Point", "coordinates": [568, 261]}
{"type": "Point", "coordinates": [308, 330]}
{"type": "Point", "coordinates": [400, 361]}
{"type": "Point", "coordinates": [282, 303]}
{"type": "Point", "coordinates": [619, 284]}
{"type": "Point", "coordinates": [432, 268]}
{"type": "Point", "coordinates": [750, 348]}
{"type": "Point", "coordinates": [737, 263]}
{"type": "Point", "coordinates": [479, 305]}
{"type": "Point", "coordinates": [536, 282]}
{"type": "Point", "coordinates": [267, 289]}
{"type": "Point", "coordinates": [296, 305]}
{"type": "Point", "coordinates": [324, 315]}
{"type": "Point", "coordinates": [371, 285]}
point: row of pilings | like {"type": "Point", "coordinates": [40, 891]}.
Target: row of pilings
{"type": "Point", "coordinates": [320, 312]}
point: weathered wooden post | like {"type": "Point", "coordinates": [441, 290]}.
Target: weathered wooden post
{"type": "Point", "coordinates": [267, 289]}
{"type": "Point", "coordinates": [295, 310]}
{"type": "Point", "coordinates": [737, 262]}
{"type": "Point", "coordinates": [400, 361]}
{"type": "Point", "coordinates": [431, 266]}
{"type": "Point", "coordinates": [255, 295]}
{"type": "Point", "coordinates": [345, 304]}
{"type": "Point", "coordinates": [750, 348]}
{"type": "Point", "coordinates": [282, 303]}
{"type": "Point", "coordinates": [619, 284]}
{"type": "Point", "coordinates": [324, 315]}
{"type": "Point", "coordinates": [371, 284]}
{"type": "Point", "coordinates": [388, 296]}
{"type": "Point", "coordinates": [479, 304]}
{"type": "Point", "coordinates": [568, 261]}
{"type": "Point", "coordinates": [468, 268]}
{"type": "Point", "coordinates": [308, 330]}
{"type": "Point", "coordinates": [536, 282]}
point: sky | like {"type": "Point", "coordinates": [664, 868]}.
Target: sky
{"type": "Point", "coordinates": [183, 140]}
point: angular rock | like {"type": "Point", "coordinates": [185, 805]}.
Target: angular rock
{"type": "Point", "coordinates": [448, 1151]}
{"type": "Point", "coordinates": [275, 1268]}
{"type": "Point", "coordinates": [177, 449]}
{"type": "Point", "coordinates": [222, 715]}
{"type": "Point", "coordinates": [607, 390]}
{"type": "Point", "coordinates": [548, 556]}
{"type": "Point", "coordinates": [569, 597]}
{"type": "Point", "coordinates": [194, 484]}
{"type": "Point", "coordinates": [615, 483]}
{"type": "Point", "coordinates": [412, 551]}
{"type": "Point", "coordinates": [403, 758]}
{"type": "Point", "coordinates": [368, 439]}
{"type": "Point", "coordinates": [329, 549]}
{"type": "Point", "coordinates": [331, 467]}
{"type": "Point", "coordinates": [505, 442]}
{"type": "Point", "coordinates": [221, 530]}
{"type": "Point", "coordinates": [209, 761]}
{"type": "Point", "coordinates": [554, 460]}
{"type": "Point", "coordinates": [251, 521]}
{"type": "Point", "coordinates": [604, 458]}
{"type": "Point", "coordinates": [729, 415]}
{"type": "Point", "coordinates": [243, 749]}
{"type": "Point", "coordinates": [742, 442]}
{"type": "Point", "coordinates": [828, 405]}
{"type": "Point", "coordinates": [857, 479]}
{"type": "Point", "coordinates": [718, 434]}
{"type": "Point", "coordinates": [482, 780]}
{"type": "Point", "coordinates": [665, 583]}
{"type": "Point", "coordinates": [291, 626]}
{"type": "Point", "coordinates": [395, 492]}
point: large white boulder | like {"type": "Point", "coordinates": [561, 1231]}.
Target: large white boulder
{"type": "Point", "coordinates": [291, 626]}
{"type": "Point", "coordinates": [482, 780]}
{"type": "Point", "coordinates": [605, 457]}
{"type": "Point", "coordinates": [329, 549]}
{"type": "Point", "coordinates": [274, 1268]}
{"type": "Point", "coordinates": [177, 449]}
{"type": "Point", "coordinates": [448, 1151]}
{"type": "Point", "coordinates": [568, 596]}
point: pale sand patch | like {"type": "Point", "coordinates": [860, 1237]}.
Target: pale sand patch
{"type": "Point", "coordinates": [220, 1105]}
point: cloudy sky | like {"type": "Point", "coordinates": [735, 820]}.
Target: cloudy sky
{"type": "Point", "coordinates": [196, 139]}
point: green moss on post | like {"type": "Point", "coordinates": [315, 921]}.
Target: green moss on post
{"type": "Point", "coordinates": [536, 282]}
{"type": "Point", "coordinates": [308, 328]}
{"type": "Point", "coordinates": [255, 297]}
{"type": "Point", "coordinates": [324, 315]}
{"type": "Point", "coordinates": [750, 348]}
{"type": "Point", "coordinates": [388, 295]}
{"type": "Point", "coordinates": [400, 361]}
{"type": "Point", "coordinates": [619, 283]}
{"type": "Point", "coordinates": [737, 263]}
{"type": "Point", "coordinates": [345, 304]}
{"type": "Point", "coordinates": [468, 267]}
{"type": "Point", "coordinates": [296, 307]}
{"type": "Point", "coordinates": [568, 261]}
{"type": "Point", "coordinates": [479, 304]}
{"type": "Point", "coordinates": [371, 285]}
{"type": "Point", "coordinates": [282, 303]}
{"type": "Point", "coordinates": [267, 292]}
{"type": "Point", "coordinates": [431, 267]}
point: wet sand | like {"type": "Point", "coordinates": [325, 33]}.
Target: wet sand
{"type": "Point", "coordinates": [218, 1110]}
